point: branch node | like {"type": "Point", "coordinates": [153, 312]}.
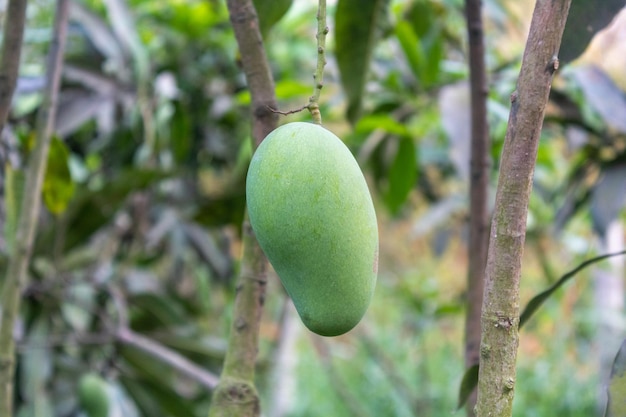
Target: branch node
{"type": "Point", "coordinates": [288, 112]}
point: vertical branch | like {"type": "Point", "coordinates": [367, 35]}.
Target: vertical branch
{"type": "Point", "coordinates": [18, 263]}
{"type": "Point", "coordinates": [479, 183]}
{"type": "Point", "coordinates": [500, 312]}
{"type": "Point", "coordinates": [318, 76]}
{"type": "Point", "coordinates": [235, 395]}
{"type": "Point", "coordinates": [11, 52]}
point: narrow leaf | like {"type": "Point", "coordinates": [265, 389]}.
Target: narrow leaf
{"type": "Point", "coordinates": [616, 406]}
{"type": "Point", "coordinates": [470, 379]}
{"type": "Point", "coordinates": [58, 187]}
{"type": "Point", "coordinates": [14, 189]}
{"type": "Point", "coordinates": [540, 298]}
{"type": "Point", "coordinates": [402, 174]}
{"type": "Point", "coordinates": [357, 27]}
{"type": "Point", "coordinates": [586, 18]}
{"type": "Point", "coordinates": [270, 12]}
{"type": "Point", "coordinates": [412, 47]}
{"type": "Point", "coordinates": [468, 383]}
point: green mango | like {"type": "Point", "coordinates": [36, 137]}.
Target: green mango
{"type": "Point", "coordinates": [93, 396]}
{"type": "Point", "coordinates": [313, 216]}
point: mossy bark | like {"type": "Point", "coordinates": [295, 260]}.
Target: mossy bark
{"type": "Point", "coordinates": [235, 395]}
{"type": "Point", "coordinates": [500, 312]}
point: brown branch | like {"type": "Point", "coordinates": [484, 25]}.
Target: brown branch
{"type": "Point", "coordinates": [235, 395]}
{"type": "Point", "coordinates": [500, 312]}
{"type": "Point", "coordinates": [174, 359]}
{"type": "Point", "coordinates": [11, 52]}
{"type": "Point", "coordinates": [17, 269]}
{"type": "Point", "coordinates": [479, 188]}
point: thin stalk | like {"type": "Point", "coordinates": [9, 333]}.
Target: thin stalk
{"type": "Point", "coordinates": [11, 52]}
{"type": "Point", "coordinates": [16, 276]}
{"type": "Point", "coordinates": [236, 395]}
{"type": "Point", "coordinates": [479, 188]}
{"type": "Point", "coordinates": [500, 311]}
{"type": "Point", "coordinates": [318, 76]}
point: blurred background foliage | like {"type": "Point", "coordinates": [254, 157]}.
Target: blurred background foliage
{"type": "Point", "coordinates": [132, 277]}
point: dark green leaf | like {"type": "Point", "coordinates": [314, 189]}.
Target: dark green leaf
{"type": "Point", "coordinates": [13, 194]}
{"type": "Point", "coordinates": [90, 210]}
{"type": "Point", "coordinates": [181, 137]}
{"type": "Point", "coordinates": [540, 298]}
{"type": "Point", "coordinates": [357, 27]}
{"type": "Point", "coordinates": [468, 383]}
{"type": "Point", "coordinates": [152, 311]}
{"type": "Point", "coordinates": [58, 187]}
{"type": "Point", "coordinates": [270, 12]}
{"type": "Point", "coordinates": [586, 18]}
{"type": "Point", "coordinates": [411, 46]}
{"type": "Point", "coordinates": [154, 398]}
{"type": "Point", "coordinates": [421, 37]}
{"type": "Point", "coordinates": [402, 174]}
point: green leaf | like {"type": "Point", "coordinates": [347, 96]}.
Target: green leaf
{"type": "Point", "coordinates": [468, 383]}
{"type": "Point", "coordinates": [58, 186]}
{"type": "Point", "coordinates": [270, 12]}
{"type": "Point", "coordinates": [470, 379]}
{"type": "Point", "coordinates": [411, 46]}
{"type": "Point", "coordinates": [153, 390]}
{"type": "Point", "coordinates": [91, 209]}
{"type": "Point", "coordinates": [421, 37]}
{"type": "Point", "coordinates": [616, 405]}
{"type": "Point", "coordinates": [383, 122]}
{"type": "Point", "coordinates": [586, 18]}
{"type": "Point", "coordinates": [402, 174]}
{"type": "Point", "coordinates": [536, 302]}
{"type": "Point", "coordinates": [181, 138]}
{"type": "Point", "coordinates": [14, 191]}
{"type": "Point", "coordinates": [357, 29]}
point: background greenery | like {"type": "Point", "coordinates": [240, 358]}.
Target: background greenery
{"type": "Point", "coordinates": [145, 232]}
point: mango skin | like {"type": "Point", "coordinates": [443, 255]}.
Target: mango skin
{"type": "Point", "coordinates": [92, 395]}
{"type": "Point", "coordinates": [313, 216]}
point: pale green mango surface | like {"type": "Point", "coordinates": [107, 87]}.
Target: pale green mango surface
{"type": "Point", "coordinates": [92, 395]}
{"type": "Point", "coordinates": [313, 216]}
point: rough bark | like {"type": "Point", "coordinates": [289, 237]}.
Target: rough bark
{"type": "Point", "coordinates": [235, 395]}
{"type": "Point", "coordinates": [18, 264]}
{"type": "Point", "coordinates": [500, 312]}
{"type": "Point", "coordinates": [479, 188]}
{"type": "Point", "coordinates": [11, 52]}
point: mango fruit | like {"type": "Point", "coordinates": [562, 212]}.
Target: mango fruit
{"type": "Point", "coordinates": [93, 396]}
{"type": "Point", "coordinates": [313, 216]}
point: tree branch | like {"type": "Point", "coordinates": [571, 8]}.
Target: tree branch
{"type": "Point", "coordinates": [318, 77]}
{"type": "Point", "coordinates": [18, 264]}
{"type": "Point", "coordinates": [235, 395]}
{"type": "Point", "coordinates": [177, 361]}
{"type": "Point", "coordinates": [500, 312]}
{"type": "Point", "coordinates": [11, 53]}
{"type": "Point", "coordinates": [479, 187]}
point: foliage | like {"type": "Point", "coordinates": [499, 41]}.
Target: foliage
{"type": "Point", "coordinates": [152, 244]}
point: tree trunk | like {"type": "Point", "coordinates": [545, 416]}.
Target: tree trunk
{"type": "Point", "coordinates": [500, 311]}
{"type": "Point", "coordinates": [479, 188]}
{"type": "Point", "coordinates": [235, 395]}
